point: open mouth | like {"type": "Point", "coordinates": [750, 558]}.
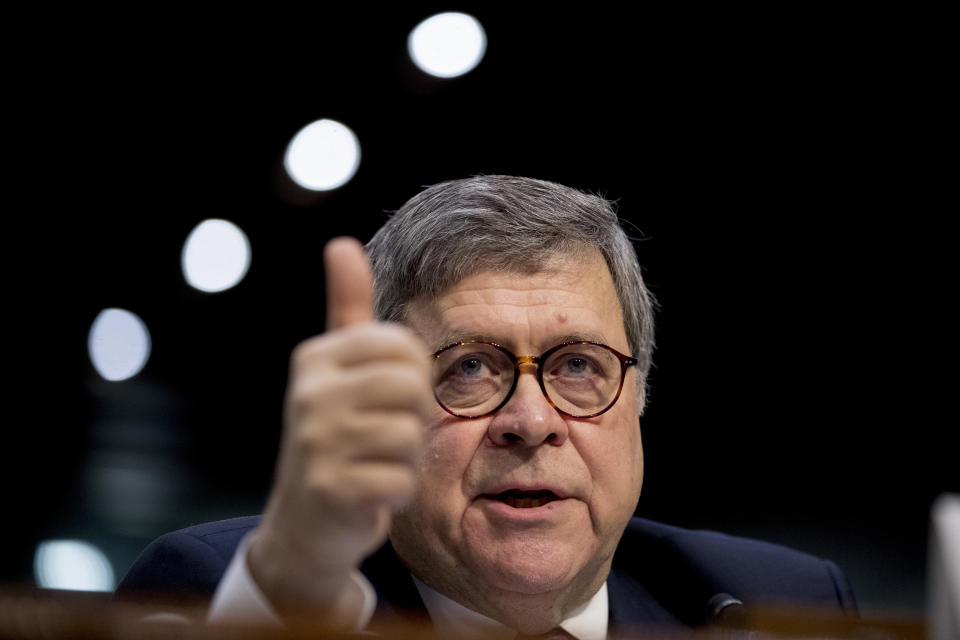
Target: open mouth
{"type": "Point", "coordinates": [525, 499]}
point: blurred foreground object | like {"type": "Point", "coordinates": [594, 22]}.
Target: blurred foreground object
{"type": "Point", "coordinates": [943, 577]}
{"type": "Point", "coordinates": [447, 45]}
{"type": "Point", "coordinates": [72, 565]}
{"type": "Point", "coordinates": [69, 614]}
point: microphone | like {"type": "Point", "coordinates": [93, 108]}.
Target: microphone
{"type": "Point", "coordinates": [723, 610]}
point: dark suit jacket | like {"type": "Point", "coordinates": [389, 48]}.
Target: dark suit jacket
{"type": "Point", "coordinates": [662, 576]}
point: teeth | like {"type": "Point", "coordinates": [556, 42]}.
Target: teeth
{"type": "Point", "coordinates": [525, 499]}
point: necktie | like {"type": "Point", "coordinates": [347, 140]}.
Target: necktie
{"type": "Point", "coordinates": [557, 633]}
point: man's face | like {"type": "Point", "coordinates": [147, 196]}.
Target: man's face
{"type": "Point", "coordinates": [457, 535]}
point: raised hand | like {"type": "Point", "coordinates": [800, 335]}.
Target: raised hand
{"type": "Point", "coordinates": [353, 422]}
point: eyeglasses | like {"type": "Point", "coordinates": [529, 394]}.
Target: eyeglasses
{"type": "Point", "coordinates": [579, 379]}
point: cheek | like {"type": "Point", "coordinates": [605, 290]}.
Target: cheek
{"type": "Point", "coordinates": [615, 463]}
{"type": "Point", "coordinates": [616, 468]}
{"type": "Point", "coordinates": [632, 440]}
{"type": "Point", "coordinates": [449, 447]}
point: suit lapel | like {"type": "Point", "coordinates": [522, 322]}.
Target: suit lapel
{"type": "Point", "coordinates": [633, 609]}
{"type": "Point", "coordinates": [399, 605]}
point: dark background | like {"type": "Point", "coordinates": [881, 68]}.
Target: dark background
{"type": "Point", "coordinates": [780, 171]}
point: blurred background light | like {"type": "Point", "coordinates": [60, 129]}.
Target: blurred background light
{"type": "Point", "coordinates": [73, 565]}
{"type": "Point", "coordinates": [322, 156]}
{"type": "Point", "coordinates": [216, 256]}
{"type": "Point", "coordinates": [119, 344]}
{"type": "Point", "coordinates": [447, 44]}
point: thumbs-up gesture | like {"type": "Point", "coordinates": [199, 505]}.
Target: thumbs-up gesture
{"type": "Point", "coordinates": [353, 422]}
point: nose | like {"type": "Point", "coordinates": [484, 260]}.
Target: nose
{"type": "Point", "coordinates": [528, 418]}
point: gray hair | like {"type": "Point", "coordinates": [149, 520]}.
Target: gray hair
{"type": "Point", "coordinates": [456, 229]}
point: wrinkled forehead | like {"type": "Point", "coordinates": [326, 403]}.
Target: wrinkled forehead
{"type": "Point", "coordinates": [440, 267]}
{"type": "Point", "coordinates": [570, 298]}
{"type": "Point", "coordinates": [547, 260]}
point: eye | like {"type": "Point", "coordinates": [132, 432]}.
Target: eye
{"type": "Point", "coordinates": [576, 366]}
{"type": "Point", "coordinates": [573, 366]}
{"type": "Point", "coordinates": [471, 367]}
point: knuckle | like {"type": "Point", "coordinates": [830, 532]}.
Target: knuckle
{"type": "Point", "coordinates": [391, 330]}
{"type": "Point", "coordinates": [310, 441]}
{"type": "Point", "coordinates": [300, 395]}
{"type": "Point", "coordinates": [405, 380]}
{"type": "Point", "coordinates": [324, 392]}
{"type": "Point", "coordinates": [389, 435]}
{"type": "Point", "coordinates": [402, 336]}
{"type": "Point", "coordinates": [303, 400]}
{"type": "Point", "coordinates": [305, 351]}
{"type": "Point", "coordinates": [323, 482]}
{"type": "Point", "coordinates": [373, 484]}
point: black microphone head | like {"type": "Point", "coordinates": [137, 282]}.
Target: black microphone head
{"type": "Point", "coordinates": [726, 611]}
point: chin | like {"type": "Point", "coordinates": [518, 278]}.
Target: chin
{"type": "Point", "coordinates": [528, 564]}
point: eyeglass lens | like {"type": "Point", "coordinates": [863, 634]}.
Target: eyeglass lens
{"type": "Point", "coordinates": [474, 379]}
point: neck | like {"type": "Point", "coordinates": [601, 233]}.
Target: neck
{"type": "Point", "coordinates": [529, 613]}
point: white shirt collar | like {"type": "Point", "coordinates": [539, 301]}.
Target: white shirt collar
{"type": "Point", "coordinates": [452, 620]}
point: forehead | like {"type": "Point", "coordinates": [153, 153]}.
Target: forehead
{"type": "Point", "coordinates": [569, 299]}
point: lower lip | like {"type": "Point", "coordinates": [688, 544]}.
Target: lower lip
{"type": "Point", "coordinates": [548, 511]}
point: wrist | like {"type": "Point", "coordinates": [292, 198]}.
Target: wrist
{"type": "Point", "coordinates": [298, 585]}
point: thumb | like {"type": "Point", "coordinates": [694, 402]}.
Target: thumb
{"type": "Point", "coordinates": [349, 283]}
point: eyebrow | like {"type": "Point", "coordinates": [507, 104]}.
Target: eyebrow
{"type": "Point", "coordinates": [453, 337]}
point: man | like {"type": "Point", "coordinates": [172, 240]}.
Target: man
{"type": "Point", "coordinates": [476, 454]}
